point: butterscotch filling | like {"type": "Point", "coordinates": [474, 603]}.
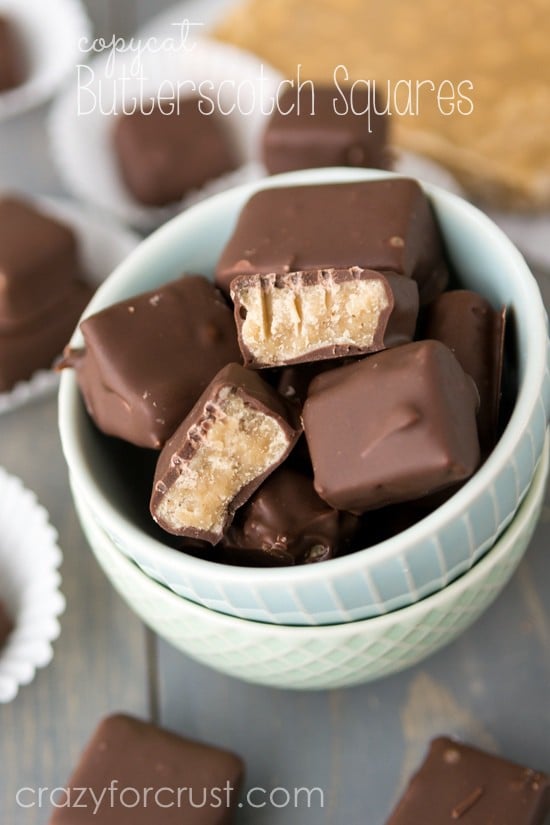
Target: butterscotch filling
{"type": "Point", "coordinates": [237, 445]}
{"type": "Point", "coordinates": [281, 323]}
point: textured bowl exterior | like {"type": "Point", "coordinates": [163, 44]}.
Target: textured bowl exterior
{"type": "Point", "coordinates": [321, 657]}
{"type": "Point", "coordinates": [395, 573]}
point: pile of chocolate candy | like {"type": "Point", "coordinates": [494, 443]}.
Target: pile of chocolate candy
{"type": "Point", "coordinates": [326, 390]}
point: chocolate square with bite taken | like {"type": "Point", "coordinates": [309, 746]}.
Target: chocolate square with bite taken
{"type": "Point", "coordinates": [392, 427]}
{"type": "Point", "coordinates": [459, 783]}
{"type": "Point", "coordinates": [322, 314]}
{"type": "Point", "coordinates": [164, 154]}
{"type": "Point", "coordinates": [135, 773]}
{"type": "Point", "coordinates": [384, 225]}
{"type": "Point", "coordinates": [337, 130]}
{"type": "Point", "coordinates": [237, 433]}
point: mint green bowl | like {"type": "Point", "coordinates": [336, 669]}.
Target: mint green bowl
{"type": "Point", "coordinates": [330, 656]}
{"type": "Point", "coordinates": [397, 572]}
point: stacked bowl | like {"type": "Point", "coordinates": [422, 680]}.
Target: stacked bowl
{"type": "Point", "coordinates": [375, 611]}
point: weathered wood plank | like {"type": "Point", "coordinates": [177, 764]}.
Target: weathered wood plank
{"type": "Point", "coordinates": [100, 659]}
{"type": "Point", "coordinates": [492, 687]}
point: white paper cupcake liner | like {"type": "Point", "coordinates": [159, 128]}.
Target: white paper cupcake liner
{"type": "Point", "coordinates": [29, 585]}
{"type": "Point", "coordinates": [50, 31]}
{"type": "Point", "coordinates": [103, 246]}
{"type": "Point", "coordinates": [82, 142]}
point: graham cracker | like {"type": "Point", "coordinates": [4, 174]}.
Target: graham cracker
{"type": "Point", "coordinates": [501, 151]}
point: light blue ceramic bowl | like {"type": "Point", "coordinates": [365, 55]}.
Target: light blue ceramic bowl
{"type": "Point", "coordinates": [394, 573]}
{"type": "Point", "coordinates": [322, 657]}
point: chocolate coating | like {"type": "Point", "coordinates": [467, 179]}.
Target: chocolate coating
{"type": "Point", "coordinates": [459, 783]}
{"type": "Point", "coordinates": [38, 263]}
{"type": "Point", "coordinates": [131, 756]}
{"type": "Point", "coordinates": [6, 625]}
{"type": "Point", "coordinates": [163, 156]}
{"type": "Point", "coordinates": [385, 225]}
{"type": "Point", "coordinates": [148, 359]}
{"type": "Point", "coordinates": [467, 323]}
{"type": "Point", "coordinates": [12, 58]}
{"type": "Point", "coordinates": [293, 381]}
{"type": "Point", "coordinates": [332, 136]}
{"type": "Point", "coordinates": [35, 344]}
{"type": "Point", "coordinates": [253, 396]}
{"type": "Point", "coordinates": [393, 427]}
{"type": "Point", "coordinates": [285, 522]}
{"type": "Point", "coordinates": [314, 331]}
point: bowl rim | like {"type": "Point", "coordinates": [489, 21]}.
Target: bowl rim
{"type": "Point", "coordinates": [528, 397]}
{"type": "Point", "coordinates": [411, 613]}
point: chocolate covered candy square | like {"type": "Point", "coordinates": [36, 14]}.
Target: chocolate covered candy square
{"type": "Point", "coordinates": [459, 783]}
{"type": "Point", "coordinates": [135, 773]}
{"type": "Point", "coordinates": [386, 225]}
{"type": "Point", "coordinates": [320, 314]}
{"type": "Point", "coordinates": [285, 523]}
{"type": "Point", "coordinates": [38, 262]}
{"type": "Point", "coordinates": [35, 344]}
{"type": "Point", "coordinates": [167, 152]}
{"type": "Point", "coordinates": [329, 128]}
{"type": "Point", "coordinates": [392, 427]}
{"type": "Point", "coordinates": [237, 433]}
{"type": "Point", "coordinates": [467, 323]}
{"type": "Point", "coordinates": [147, 359]}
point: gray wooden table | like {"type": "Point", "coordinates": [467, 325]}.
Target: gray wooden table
{"type": "Point", "coordinates": [492, 686]}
